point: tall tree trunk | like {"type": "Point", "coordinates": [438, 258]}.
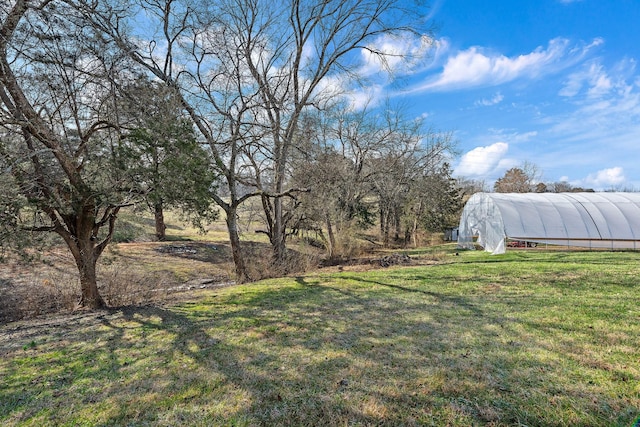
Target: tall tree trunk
{"type": "Point", "coordinates": [332, 239]}
{"type": "Point", "coordinates": [385, 222]}
{"type": "Point", "coordinates": [278, 233]}
{"type": "Point", "coordinates": [236, 250]}
{"type": "Point", "coordinates": [84, 251]}
{"type": "Point", "coordinates": [80, 234]}
{"type": "Point", "coordinates": [414, 231]}
{"type": "Point", "coordinates": [161, 228]}
{"type": "Point", "coordinates": [88, 279]}
{"type": "Point", "coordinates": [397, 222]}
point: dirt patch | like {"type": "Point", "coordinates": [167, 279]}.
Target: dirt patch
{"type": "Point", "coordinates": [24, 333]}
{"type": "Point", "coordinates": [367, 263]}
{"type": "Point", "coordinates": [128, 274]}
{"type": "Point", "coordinates": [395, 259]}
{"type": "Point", "coordinates": [206, 252]}
{"type": "Point", "coordinates": [134, 274]}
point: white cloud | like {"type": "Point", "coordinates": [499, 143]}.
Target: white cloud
{"type": "Point", "coordinates": [606, 178]}
{"type": "Point", "coordinates": [482, 160]}
{"type": "Point", "coordinates": [597, 82]}
{"type": "Point", "coordinates": [602, 128]}
{"type": "Point", "coordinates": [505, 164]}
{"type": "Point", "coordinates": [594, 77]}
{"type": "Point", "coordinates": [496, 99]}
{"type": "Point", "coordinates": [600, 86]}
{"type": "Point", "coordinates": [370, 96]}
{"type": "Point", "coordinates": [608, 114]}
{"type": "Point", "coordinates": [512, 136]}
{"type": "Point", "coordinates": [394, 54]}
{"type": "Point", "coordinates": [476, 67]}
{"type": "Point", "coordinates": [397, 56]}
{"type": "Point", "coordinates": [574, 84]}
{"type": "Point", "coordinates": [524, 137]}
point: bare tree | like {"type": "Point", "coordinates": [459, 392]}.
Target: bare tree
{"type": "Point", "coordinates": [565, 187]}
{"type": "Point", "coordinates": [469, 186]}
{"type": "Point", "coordinates": [434, 202]}
{"type": "Point", "coordinates": [523, 179]}
{"type": "Point", "coordinates": [289, 77]}
{"type": "Point", "coordinates": [192, 48]}
{"type": "Point", "coordinates": [247, 70]}
{"type": "Point", "coordinates": [413, 159]}
{"type": "Point", "coordinates": [372, 160]}
{"type": "Point", "coordinates": [515, 180]}
{"type": "Point", "coordinates": [331, 162]}
{"type": "Point", "coordinates": [54, 84]}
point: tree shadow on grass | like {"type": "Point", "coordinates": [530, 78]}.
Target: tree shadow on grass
{"type": "Point", "coordinates": [304, 353]}
{"type": "Point", "coordinates": [164, 367]}
{"type": "Point", "coordinates": [271, 390]}
{"type": "Point", "coordinates": [515, 355]}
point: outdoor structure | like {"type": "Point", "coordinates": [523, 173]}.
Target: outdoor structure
{"type": "Point", "coordinates": [591, 220]}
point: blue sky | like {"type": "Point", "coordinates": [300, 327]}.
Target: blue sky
{"type": "Point", "coordinates": [555, 83]}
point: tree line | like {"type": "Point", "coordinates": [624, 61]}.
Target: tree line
{"type": "Point", "coordinates": [527, 179]}
{"type": "Point", "coordinates": [193, 105]}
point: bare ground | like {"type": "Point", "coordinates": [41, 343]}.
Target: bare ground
{"type": "Point", "coordinates": [128, 274]}
{"type": "Point", "coordinates": [141, 274]}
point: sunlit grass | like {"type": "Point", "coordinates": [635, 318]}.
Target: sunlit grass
{"type": "Point", "coordinates": [139, 226]}
{"type": "Point", "coordinates": [526, 338]}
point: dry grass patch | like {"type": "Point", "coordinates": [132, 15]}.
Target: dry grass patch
{"type": "Point", "coordinates": [128, 274]}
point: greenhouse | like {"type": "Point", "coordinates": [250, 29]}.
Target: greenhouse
{"type": "Point", "coordinates": [495, 221]}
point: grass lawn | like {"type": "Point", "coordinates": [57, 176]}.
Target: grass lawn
{"type": "Point", "coordinates": [529, 338]}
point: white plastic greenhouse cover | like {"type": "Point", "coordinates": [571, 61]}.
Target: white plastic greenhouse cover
{"type": "Point", "coordinates": [594, 220]}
